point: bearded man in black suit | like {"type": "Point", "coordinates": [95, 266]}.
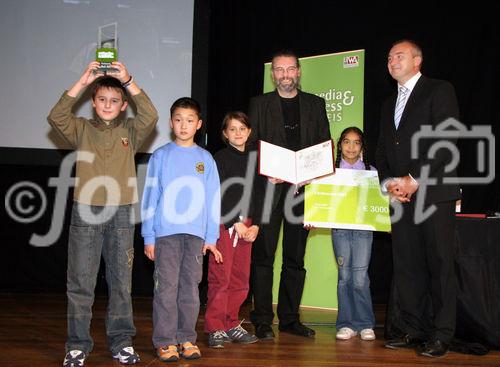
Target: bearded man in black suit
{"type": "Point", "coordinates": [295, 120]}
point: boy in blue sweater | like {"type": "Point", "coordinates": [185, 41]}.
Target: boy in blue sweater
{"type": "Point", "coordinates": [180, 211]}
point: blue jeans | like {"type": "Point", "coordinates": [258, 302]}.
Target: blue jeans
{"type": "Point", "coordinates": [353, 250]}
{"type": "Point", "coordinates": [96, 231]}
{"type": "Point", "coordinates": [176, 302]}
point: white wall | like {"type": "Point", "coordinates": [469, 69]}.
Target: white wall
{"type": "Point", "coordinates": [46, 44]}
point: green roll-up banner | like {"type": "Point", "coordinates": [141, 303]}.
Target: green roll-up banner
{"type": "Point", "coordinates": [339, 79]}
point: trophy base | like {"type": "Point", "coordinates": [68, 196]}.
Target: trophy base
{"type": "Point", "coordinates": [105, 69]}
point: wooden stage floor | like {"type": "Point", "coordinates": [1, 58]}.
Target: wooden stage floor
{"type": "Point", "coordinates": [33, 331]}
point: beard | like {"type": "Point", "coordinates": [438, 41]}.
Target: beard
{"type": "Point", "coordinates": [287, 88]}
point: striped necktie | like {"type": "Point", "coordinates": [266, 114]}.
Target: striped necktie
{"type": "Point", "coordinates": [400, 105]}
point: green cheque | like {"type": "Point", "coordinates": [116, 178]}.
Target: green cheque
{"type": "Point", "coordinates": [349, 199]}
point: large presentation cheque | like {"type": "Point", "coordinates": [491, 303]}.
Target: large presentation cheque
{"type": "Point", "coordinates": [349, 199]}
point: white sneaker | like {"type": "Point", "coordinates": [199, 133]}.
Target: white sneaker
{"type": "Point", "coordinates": [367, 334]}
{"type": "Point", "coordinates": [74, 358]}
{"type": "Point", "coordinates": [345, 333]}
{"type": "Point", "coordinates": [127, 355]}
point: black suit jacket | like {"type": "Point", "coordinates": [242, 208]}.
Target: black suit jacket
{"type": "Point", "coordinates": [431, 102]}
{"type": "Point", "coordinates": [266, 118]}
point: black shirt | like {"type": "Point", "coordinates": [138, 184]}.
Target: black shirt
{"type": "Point", "coordinates": [291, 118]}
{"type": "Point", "coordinates": [232, 163]}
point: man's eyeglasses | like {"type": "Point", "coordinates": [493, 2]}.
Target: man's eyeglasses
{"type": "Point", "coordinates": [281, 70]}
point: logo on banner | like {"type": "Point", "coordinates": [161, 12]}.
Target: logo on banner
{"type": "Point", "coordinates": [351, 61]}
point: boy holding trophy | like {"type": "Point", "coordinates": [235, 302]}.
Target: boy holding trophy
{"type": "Point", "coordinates": [102, 216]}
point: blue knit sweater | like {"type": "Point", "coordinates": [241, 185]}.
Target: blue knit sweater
{"type": "Point", "coordinates": [181, 195]}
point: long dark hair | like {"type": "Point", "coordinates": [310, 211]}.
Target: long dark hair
{"type": "Point", "coordinates": [361, 136]}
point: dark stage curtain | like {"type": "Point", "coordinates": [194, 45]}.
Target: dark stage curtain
{"type": "Point", "coordinates": [460, 44]}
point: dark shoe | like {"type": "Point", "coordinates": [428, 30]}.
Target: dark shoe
{"type": "Point", "coordinates": [217, 338]}
{"type": "Point", "coordinates": [433, 348]}
{"type": "Point", "coordinates": [297, 328]}
{"type": "Point", "coordinates": [238, 334]}
{"type": "Point", "coordinates": [406, 341]}
{"type": "Point", "coordinates": [264, 332]}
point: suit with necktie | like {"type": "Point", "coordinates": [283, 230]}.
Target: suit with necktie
{"type": "Point", "coordinates": [423, 248]}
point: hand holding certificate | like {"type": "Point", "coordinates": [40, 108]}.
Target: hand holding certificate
{"type": "Point", "coordinates": [296, 167]}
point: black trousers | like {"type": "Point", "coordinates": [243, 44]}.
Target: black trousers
{"type": "Point", "coordinates": [424, 272]}
{"type": "Point", "coordinates": [292, 272]}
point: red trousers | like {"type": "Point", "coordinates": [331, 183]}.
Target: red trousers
{"type": "Point", "coordinates": [228, 282]}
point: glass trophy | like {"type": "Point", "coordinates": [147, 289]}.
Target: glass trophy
{"type": "Point", "coordinates": [107, 48]}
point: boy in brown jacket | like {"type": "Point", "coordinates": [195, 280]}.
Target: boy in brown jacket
{"type": "Point", "coordinates": [102, 217]}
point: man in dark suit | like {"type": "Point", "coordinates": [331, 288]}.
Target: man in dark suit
{"type": "Point", "coordinates": [292, 119]}
{"type": "Point", "coordinates": [423, 238]}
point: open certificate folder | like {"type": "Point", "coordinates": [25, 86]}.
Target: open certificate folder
{"type": "Point", "coordinates": [296, 167]}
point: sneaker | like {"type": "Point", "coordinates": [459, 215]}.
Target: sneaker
{"type": "Point", "coordinates": [127, 355]}
{"type": "Point", "coordinates": [217, 339]}
{"type": "Point", "coordinates": [345, 333]}
{"type": "Point", "coordinates": [168, 353]}
{"type": "Point", "coordinates": [367, 334]}
{"type": "Point", "coordinates": [74, 358]}
{"type": "Point", "coordinates": [239, 335]}
{"type": "Point", "coordinates": [190, 351]}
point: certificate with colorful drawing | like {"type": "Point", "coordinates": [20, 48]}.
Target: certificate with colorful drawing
{"type": "Point", "coordinates": [296, 167]}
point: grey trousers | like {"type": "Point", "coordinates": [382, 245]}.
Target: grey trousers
{"type": "Point", "coordinates": [176, 303]}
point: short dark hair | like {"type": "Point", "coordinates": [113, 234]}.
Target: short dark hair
{"type": "Point", "coordinates": [285, 53]}
{"type": "Point", "coordinates": [186, 102]}
{"type": "Point", "coordinates": [234, 115]}
{"type": "Point", "coordinates": [109, 82]}
{"type": "Point", "coordinates": [417, 50]}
